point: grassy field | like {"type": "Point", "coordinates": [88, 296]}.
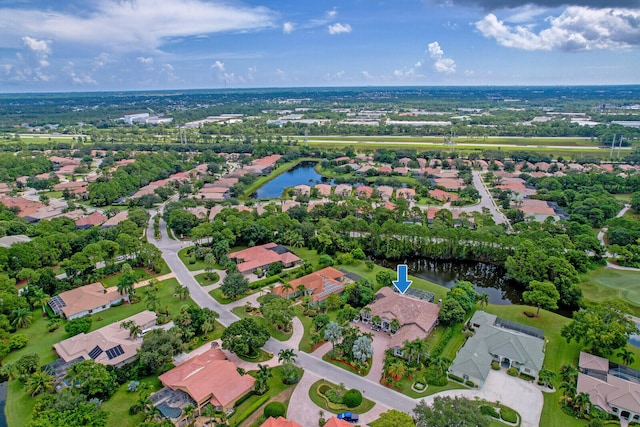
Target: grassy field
{"type": "Point", "coordinates": [198, 265]}
{"type": "Point", "coordinates": [118, 405]}
{"type": "Point", "coordinates": [141, 274]}
{"type": "Point", "coordinates": [606, 283]}
{"type": "Point", "coordinates": [202, 279]}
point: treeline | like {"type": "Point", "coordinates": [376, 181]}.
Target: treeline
{"type": "Point", "coordinates": [23, 163]}
{"type": "Point", "coordinates": [125, 180]}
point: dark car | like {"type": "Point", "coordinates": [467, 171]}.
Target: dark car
{"type": "Point", "coordinates": [348, 416]}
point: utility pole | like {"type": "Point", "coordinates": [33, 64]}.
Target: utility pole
{"type": "Point", "coordinates": [620, 146]}
{"type": "Point", "coordinates": [613, 143]}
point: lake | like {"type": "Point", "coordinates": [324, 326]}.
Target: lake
{"type": "Point", "coordinates": [301, 174]}
{"type": "Point", "coordinates": [485, 277]}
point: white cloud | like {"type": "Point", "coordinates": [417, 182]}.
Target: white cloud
{"type": "Point", "coordinates": [339, 28]}
{"type": "Point", "coordinates": [332, 13]}
{"type": "Point", "coordinates": [288, 27]}
{"type": "Point", "coordinates": [168, 72]}
{"type": "Point", "coordinates": [102, 60]}
{"type": "Point", "coordinates": [39, 49]}
{"type": "Point", "coordinates": [131, 25]}
{"type": "Point", "coordinates": [578, 28]}
{"type": "Point", "coordinates": [441, 64]}
{"type": "Point", "coordinates": [253, 69]}
{"type": "Point", "coordinates": [366, 75]}
{"type": "Point", "coordinates": [145, 60]}
{"type": "Point", "coordinates": [218, 66]}
{"type": "Point", "coordinates": [525, 13]}
{"type": "Point", "coordinates": [78, 79]}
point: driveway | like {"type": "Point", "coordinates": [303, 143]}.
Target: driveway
{"type": "Point", "coordinates": [380, 344]}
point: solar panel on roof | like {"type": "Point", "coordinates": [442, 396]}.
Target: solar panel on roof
{"type": "Point", "coordinates": [97, 351]}
{"type": "Point", "coordinates": [115, 352]}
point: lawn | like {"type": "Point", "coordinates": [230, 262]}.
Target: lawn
{"type": "Point", "coordinates": [279, 335]}
{"type": "Point", "coordinates": [364, 407]}
{"type": "Point", "coordinates": [19, 405]}
{"type": "Point", "coordinates": [219, 296]}
{"type": "Point", "coordinates": [276, 386]}
{"type": "Point", "coordinates": [186, 260]}
{"type": "Point", "coordinates": [118, 405]}
{"type": "Point", "coordinates": [141, 274]}
{"type": "Point", "coordinates": [202, 279]}
{"type": "Point", "coordinates": [610, 283]}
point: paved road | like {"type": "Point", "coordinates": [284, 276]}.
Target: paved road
{"type": "Point", "coordinates": [508, 390]}
{"type": "Point", "coordinates": [601, 234]}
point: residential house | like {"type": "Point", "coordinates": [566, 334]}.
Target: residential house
{"type": "Point", "coordinates": [85, 300]}
{"type": "Point", "coordinates": [111, 345]}
{"type": "Point", "coordinates": [364, 191]}
{"type": "Point", "coordinates": [319, 285]}
{"type": "Point", "coordinates": [450, 184]}
{"type": "Point", "coordinates": [443, 196]}
{"type": "Point", "coordinates": [208, 378]}
{"type": "Point", "coordinates": [385, 192]}
{"type": "Point", "coordinates": [611, 387]}
{"type": "Point", "coordinates": [25, 207]}
{"type": "Point", "coordinates": [262, 256]}
{"type": "Point", "coordinates": [343, 190]}
{"type": "Point", "coordinates": [417, 317]}
{"type": "Point", "coordinates": [279, 422]}
{"type": "Point", "coordinates": [302, 190]}
{"type": "Point", "coordinates": [116, 219]}
{"type": "Point", "coordinates": [92, 220]}
{"type": "Point", "coordinates": [335, 422]}
{"type": "Point", "coordinates": [324, 190]}
{"type": "Point", "coordinates": [510, 344]}
{"type": "Point", "coordinates": [264, 165]}
{"type": "Point", "coordinates": [406, 193]}
{"type": "Point", "coordinates": [401, 171]}
{"type": "Point", "coordinates": [8, 241]}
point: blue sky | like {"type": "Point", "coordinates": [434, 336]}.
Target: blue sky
{"type": "Point", "coordinates": [77, 45]}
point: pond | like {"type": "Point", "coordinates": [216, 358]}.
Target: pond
{"type": "Point", "coordinates": [301, 174]}
{"type": "Point", "coordinates": [485, 277]}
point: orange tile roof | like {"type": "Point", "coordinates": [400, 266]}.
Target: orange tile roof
{"type": "Point", "coordinates": [259, 256]}
{"type": "Point", "coordinates": [335, 422]}
{"type": "Point", "coordinates": [209, 377]}
{"type": "Point", "coordinates": [95, 218]}
{"type": "Point", "coordinates": [87, 297]}
{"type": "Point", "coordinates": [318, 281]}
{"type": "Point", "coordinates": [443, 195]}
{"type": "Point", "coordinates": [279, 422]}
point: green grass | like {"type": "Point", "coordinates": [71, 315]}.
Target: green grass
{"type": "Point", "coordinates": [262, 356]}
{"type": "Point", "coordinates": [348, 368]}
{"type": "Point", "coordinates": [19, 405]}
{"type": "Point", "coordinates": [198, 265]}
{"type": "Point", "coordinates": [141, 274]}
{"type": "Point", "coordinates": [202, 279]}
{"type": "Point", "coordinates": [405, 385]}
{"type": "Point", "coordinates": [617, 283]}
{"type": "Point", "coordinates": [364, 407]}
{"type": "Point", "coordinates": [219, 296]}
{"type": "Point", "coordinates": [279, 335]}
{"type": "Point", "coordinates": [552, 415]}
{"type": "Point", "coordinates": [118, 405]}
{"type": "Point", "coordinates": [276, 386]}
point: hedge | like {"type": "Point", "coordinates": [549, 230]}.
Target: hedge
{"type": "Point", "coordinates": [508, 414]}
{"type": "Point", "coordinates": [274, 409]}
{"type": "Point", "coordinates": [456, 378]}
{"type": "Point", "coordinates": [352, 398]}
{"type": "Point", "coordinates": [489, 410]}
{"type": "Point", "coordinates": [250, 410]}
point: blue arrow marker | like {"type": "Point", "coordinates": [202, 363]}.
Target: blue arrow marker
{"type": "Point", "coordinates": [402, 284]}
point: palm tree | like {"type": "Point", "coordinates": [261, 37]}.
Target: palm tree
{"type": "Point", "coordinates": [547, 376]}
{"type": "Point", "coordinates": [483, 299]}
{"type": "Point", "coordinates": [301, 289]}
{"type": "Point", "coordinates": [125, 287]}
{"type": "Point", "coordinates": [286, 356]}
{"type": "Point", "coordinates": [568, 373]}
{"type": "Point", "coordinates": [582, 402]}
{"type": "Point", "coordinates": [39, 382]}
{"type": "Point", "coordinates": [22, 317]}
{"type": "Point", "coordinates": [41, 299]}
{"type": "Point", "coordinates": [285, 288]}
{"type": "Point", "coordinates": [568, 391]}
{"type": "Point", "coordinates": [440, 365]}
{"type": "Point", "coordinates": [397, 369]}
{"type": "Point", "coordinates": [262, 378]}
{"type": "Point", "coordinates": [395, 325]}
{"type": "Point", "coordinates": [189, 411]}
{"type": "Point", "coordinates": [151, 299]}
{"type": "Point", "coordinates": [626, 356]}
{"type": "Point", "coordinates": [207, 326]}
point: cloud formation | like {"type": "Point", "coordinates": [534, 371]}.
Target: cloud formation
{"type": "Point", "coordinates": [489, 5]}
{"type": "Point", "coordinates": [135, 24]}
{"type": "Point", "coordinates": [288, 27]}
{"type": "Point", "coordinates": [441, 64]}
{"type": "Point", "coordinates": [576, 29]}
{"type": "Point", "coordinates": [218, 66]}
{"type": "Point", "coordinates": [339, 28]}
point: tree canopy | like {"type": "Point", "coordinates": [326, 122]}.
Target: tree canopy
{"type": "Point", "coordinates": [245, 337]}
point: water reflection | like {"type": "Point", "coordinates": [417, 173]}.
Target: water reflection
{"type": "Point", "coordinates": [485, 277]}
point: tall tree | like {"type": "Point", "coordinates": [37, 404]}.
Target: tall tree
{"type": "Point", "coordinates": [449, 412]}
{"type": "Point", "coordinates": [333, 333]}
{"type": "Point", "coordinates": [244, 337]}
{"type": "Point", "coordinates": [234, 285]}
{"type": "Point", "coordinates": [542, 295]}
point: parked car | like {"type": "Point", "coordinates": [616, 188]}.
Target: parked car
{"type": "Point", "coordinates": [348, 416]}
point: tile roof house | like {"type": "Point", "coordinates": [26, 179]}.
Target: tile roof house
{"type": "Point", "coordinates": [279, 422]}
{"type": "Point", "coordinates": [511, 344]}
{"type": "Point", "coordinates": [405, 193]}
{"type": "Point", "coordinates": [94, 219]}
{"type": "Point", "coordinates": [443, 196]}
{"type": "Point", "coordinates": [324, 189]}
{"type": "Point", "coordinates": [342, 190]}
{"type": "Point", "coordinates": [209, 378]}
{"type": "Point", "coordinates": [84, 300]}
{"type": "Point", "coordinates": [8, 241]}
{"type": "Point", "coordinates": [417, 317]}
{"type": "Point", "coordinates": [611, 387]}
{"type": "Point", "coordinates": [319, 285]}
{"type": "Point", "coordinates": [111, 345]}
{"type": "Point", "coordinates": [115, 220]}
{"type": "Point", "coordinates": [385, 191]}
{"type": "Point", "coordinates": [262, 256]}
{"type": "Point", "coordinates": [364, 191]}
{"type": "Point", "coordinates": [335, 422]}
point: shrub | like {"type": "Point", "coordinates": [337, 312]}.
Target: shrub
{"type": "Point", "coordinates": [527, 377]}
{"type": "Point", "coordinates": [508, 414]}
{"type": "Point", "coordinates": [489, 410]}
{"type": "Point", "coordinates": [495, 365]}
{"type": "Point", "coordinates": [79, 325]}
{"type": "Point", "coordinates": [470, 383]}
{"type": "Point", "coordinates": [513, 372]}
{"type": "Point", "coordinates": [18, 341]}
{"type": "Point", "coordinates": [432, 379]}
{"type": "Point", "coordinates": [352, 398]}
{"type": "Point", "coordinates": [333, 396]}
{"type": "Point", "coordinates": [274, 409]}
{"type": "Point", "coordinates": [456, 378]}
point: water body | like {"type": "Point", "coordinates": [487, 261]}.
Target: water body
{"type": "Point", "coordinates": [485, 277]}
{"type": "Point", "coordinates": [299, 175]}
{"type": "Point", "coordinates": [3, 399]}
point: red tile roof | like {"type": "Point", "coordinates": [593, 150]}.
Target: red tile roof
{"type": "Point", "coordinates": [443, 195]}
{"type": "Point", "coordinates": [209, 377]}
{"type": "Point", "coordinates": [96, 218]}
{"type": "Point", "coordinates": [260, 256]}
{"type": "Point", "coordinates": [335, 422]}
{"type": "Point", "coordinates": [317, 283]}
{"type": "Point", "coordinates": [279, 422]}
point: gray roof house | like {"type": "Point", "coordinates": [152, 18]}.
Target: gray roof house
{"type": "Point", "coordinates": [511, 344]}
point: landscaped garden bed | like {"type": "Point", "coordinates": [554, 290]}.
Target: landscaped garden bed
{"type": "Point", "coordinates": [337, 399]}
